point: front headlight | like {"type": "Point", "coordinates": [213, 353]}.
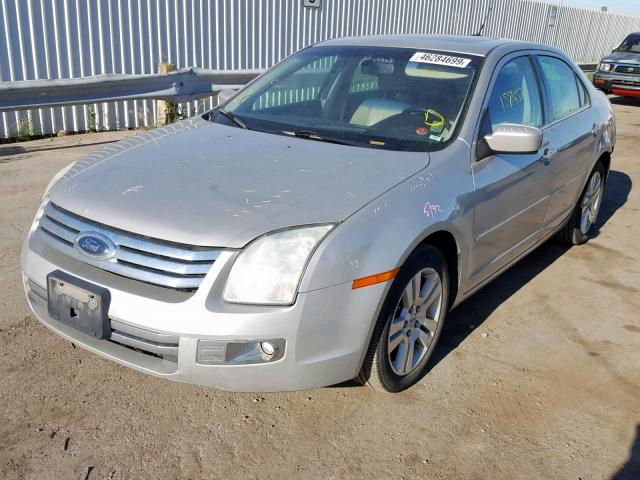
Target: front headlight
{"type": "Point", "coordinates": [269, 269]}
{"type": "Point", "coordinates": [604, 67]}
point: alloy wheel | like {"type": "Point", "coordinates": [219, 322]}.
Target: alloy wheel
{"type": "Point", "coordinates": [591, 203]}
{"type": "Point", "coordinates": [415, 322]}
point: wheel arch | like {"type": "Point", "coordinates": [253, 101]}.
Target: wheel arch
{"type": "Point", "coordinates": [447, 244]}
{"type": "Point", "coordinates": [605, 158]}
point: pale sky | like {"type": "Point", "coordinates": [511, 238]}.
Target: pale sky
{"type": "Point", "coordinates": [627, 7]}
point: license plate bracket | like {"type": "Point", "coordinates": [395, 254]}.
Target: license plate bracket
{"type": "Point", "coordinates": [79, 304]}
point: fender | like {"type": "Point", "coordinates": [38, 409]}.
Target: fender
{"type": "Point", "coordinates": [382, 235]}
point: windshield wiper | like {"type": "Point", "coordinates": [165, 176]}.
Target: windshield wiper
{"type": "Point", "coordinates": [314, 136]}
{"type": "Point", "coordinates": [233, 118]}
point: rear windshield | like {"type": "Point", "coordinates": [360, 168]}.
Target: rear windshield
{"type": "Point", "coordinates": [630, 44]}
{"type": "Point", "coordinates": [375, 97]}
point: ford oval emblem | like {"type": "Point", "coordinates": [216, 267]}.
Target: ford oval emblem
{"type": "Point", "coordinates": [95, 246]}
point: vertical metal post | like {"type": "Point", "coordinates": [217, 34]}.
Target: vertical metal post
{"type": "Point", "coordinates": [165, 111]}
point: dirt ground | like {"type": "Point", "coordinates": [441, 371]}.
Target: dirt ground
{"type": "Point", "coordinates": [537, 376]}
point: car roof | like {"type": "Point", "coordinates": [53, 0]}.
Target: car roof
{"type": "Point", "coordinates": [471, 45]}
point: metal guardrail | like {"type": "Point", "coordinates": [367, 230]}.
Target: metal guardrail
{"type": "Point", "coordinates": [179, 86]}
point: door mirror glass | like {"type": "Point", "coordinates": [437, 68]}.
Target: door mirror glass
{"type": "Point", "coordinates": [225, 95]}
{"type": "Point", "coordinates": [513, 138]}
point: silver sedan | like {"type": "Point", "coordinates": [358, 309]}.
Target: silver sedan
{"type": "Point", "coordinates": [320, 223]}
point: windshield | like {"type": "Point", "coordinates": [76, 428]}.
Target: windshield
{"type": "Point", "coordinates": [391, 98]}
{"type": "Point", "coordinates": [630, 44]}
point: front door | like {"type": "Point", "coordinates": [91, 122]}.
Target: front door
{"type": "Point", "coordinates": [512, 190]}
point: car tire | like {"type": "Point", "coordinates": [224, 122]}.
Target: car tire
{"type": "Point", "coordinates": [407, 329]}
{"type": "Point", "coordinates": [581, 224]}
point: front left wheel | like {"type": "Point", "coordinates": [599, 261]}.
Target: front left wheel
{"type": "Point", "coordinates": [409, 323]}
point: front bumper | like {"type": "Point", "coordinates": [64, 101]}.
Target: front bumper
{"type": "Point", "coordinates": [618, 84]}
{"type": "Point", "coordinates": [326, 331]}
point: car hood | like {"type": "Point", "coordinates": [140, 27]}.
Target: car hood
{"type": "Point", "coordinates": [201, 183]}
{"type": "Point", "coordinates": [623, 57]}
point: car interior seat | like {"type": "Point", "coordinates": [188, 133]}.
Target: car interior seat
{"type": "Point", "coordinates": [387, 101]}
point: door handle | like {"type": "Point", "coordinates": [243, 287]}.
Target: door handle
{"type": "Point", "coordinates": [595, 130]}
{"type": "Point", "coordinates": [548, 155]}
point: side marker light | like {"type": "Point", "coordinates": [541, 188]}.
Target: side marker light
{"type": "Point", "coordinates": [374, 279]}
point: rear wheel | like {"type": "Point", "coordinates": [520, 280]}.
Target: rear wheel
{"type": "Point", "coordinates": [409, 323]}
{"type": "Point", "coordinates": [580, 225]}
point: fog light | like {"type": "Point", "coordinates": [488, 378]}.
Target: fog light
{"type": "Point", "coordinates": [215, 352]}
{"type": "Point", "coordinates": [268, 348]}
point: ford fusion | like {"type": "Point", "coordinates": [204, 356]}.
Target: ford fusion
{"type": "Point", "coordinates": [320, 223]}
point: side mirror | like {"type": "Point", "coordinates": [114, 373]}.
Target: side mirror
{"type": "Point", "coordinates": [512, 138]}
{"type": "Point", "coordinates": [224, 95]}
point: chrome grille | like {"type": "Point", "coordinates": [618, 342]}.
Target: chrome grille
{"type": "Point", "coordinates": [137, 257]}
{"type": "Point", "coordinates": [628, 69]}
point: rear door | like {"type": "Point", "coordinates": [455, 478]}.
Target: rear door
{"type": "Point", "coordinates": [570, 134]}
{"type": "Point", "coordinates": [512, 191]}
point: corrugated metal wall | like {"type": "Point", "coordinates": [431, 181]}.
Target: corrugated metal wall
{"type": "Point", "coordinates": [74, 38]}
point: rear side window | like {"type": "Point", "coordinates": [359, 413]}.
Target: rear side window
{"type": "Point", "coordinates": [515, 97]}
{"type": "Point", "coordinates": [585, 101]}
{"type": "Point", "coordinates": [562, 87]}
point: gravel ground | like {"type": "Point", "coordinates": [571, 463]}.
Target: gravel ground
{"type": "Point", "coordinates": [537, 376]}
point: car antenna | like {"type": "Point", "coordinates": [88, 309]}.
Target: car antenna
{"type": "Point", "coordinates": [484, 22]}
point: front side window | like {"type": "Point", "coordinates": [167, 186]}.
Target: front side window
{"type": "Point", "coordinates": [562, 87]}
{"type": "Point", "coordinates": [376, 97]}
{"type": "Point", "coordinates": [515, 97]}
